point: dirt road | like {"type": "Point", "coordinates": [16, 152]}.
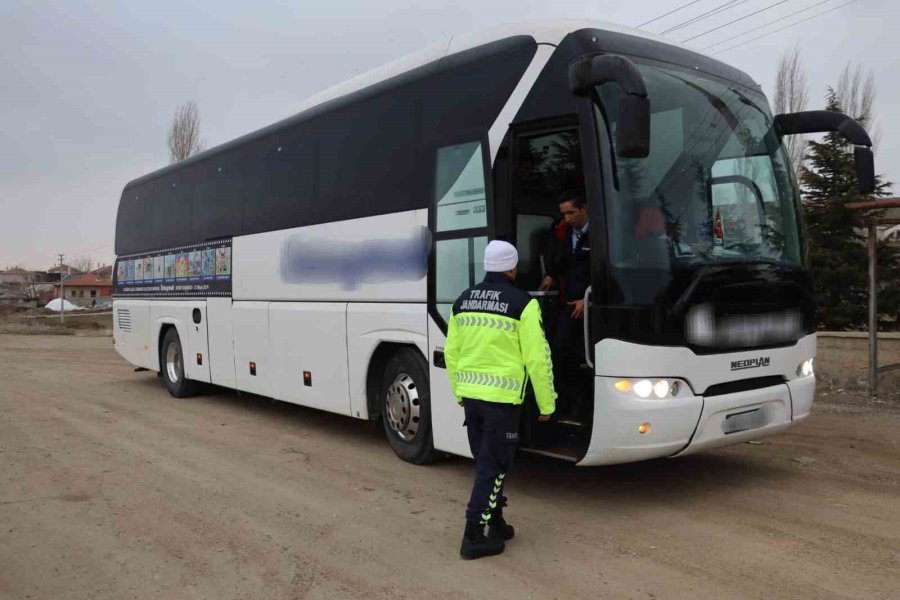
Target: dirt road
{"type": "Point", "coordinates": [109, 488]}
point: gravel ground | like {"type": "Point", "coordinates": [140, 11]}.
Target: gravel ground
{"type": "Point", "coordinates": [109, 488]}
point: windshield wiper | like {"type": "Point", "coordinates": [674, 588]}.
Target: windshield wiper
{"type": "Point", "coordinates": [707, 270]}
{"type": "Point", "coordinates": [686, 295]}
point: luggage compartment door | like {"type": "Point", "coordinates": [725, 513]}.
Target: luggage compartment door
{"type": "Point", "coordinates": [197, 362]}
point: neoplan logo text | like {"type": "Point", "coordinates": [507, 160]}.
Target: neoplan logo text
{"type": "Point", "coordinates": [750, 363]}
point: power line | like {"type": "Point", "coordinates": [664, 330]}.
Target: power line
{"type": "Point", "coordinates": [711, 12]}
{"type": "Point", "coordinates": [759, 37]}
{"type": "Point", "coordinates": [747, 16]}
{"type": "Point", "coordinates": [802, 10]}
{"type": "Point", "coordinates": [671, 12]}
{"type": "Point", "coordinates": [703, 16]}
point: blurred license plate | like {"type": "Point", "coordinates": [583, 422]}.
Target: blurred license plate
{"type": "Point", "coordinates": [750, 419]}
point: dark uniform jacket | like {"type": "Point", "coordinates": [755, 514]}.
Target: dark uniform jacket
{"type": "Point", "coordinates": [570, 269]}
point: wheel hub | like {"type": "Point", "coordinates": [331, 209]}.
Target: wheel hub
{"type": "Point", "coordinates": [402, 407]}
{"type": "Point", "coordinates": [174, 365]}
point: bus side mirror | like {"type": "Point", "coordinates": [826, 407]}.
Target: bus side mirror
{"type": "Point", "coordinates": [827, 121]}
{"type": "Point", "coordinates": [633, 123]}
{"type": "Point", "coordinates": [633, 127]}
{"type": "Point", "coordinates": [865, 169]}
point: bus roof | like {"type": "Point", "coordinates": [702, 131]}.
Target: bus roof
{"type": "Point", "coordinates": [543, 31]}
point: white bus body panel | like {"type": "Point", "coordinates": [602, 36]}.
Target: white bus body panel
{"type": "Point", "coordinates": [615, 438]}
{"type": "Point", "coordinates": [310, 337]}
{"type": "Point", "coordinates": [131, 333]}
{"type": "Point", "coordinates": [615, 358]}
{"type": "Point", "coordinates": [370, 324]}
{"type": "Point", "coordinates": [196, 353]}
{"type": "Point", "coordinates": [221, 342]}
{"type": "Point", "coordinates": [446, 415]}
{"type": "Point", "coordinates": [372, 259]}
{"type": "Point", "coordinates": [178, 314]}
{"type": "Point", "coordinates": [774, 401]}
{"type": "Point", "coordinates": [803, 390]}
{"type": "Point", "coordinates": [250, 323]}
{"type": "Point", "coordinates": [689, 422]}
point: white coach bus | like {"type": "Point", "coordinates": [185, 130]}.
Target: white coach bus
{"type": "Point", "coordinates": [315, 261]}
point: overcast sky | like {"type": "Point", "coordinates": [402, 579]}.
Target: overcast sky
{"type": "Point", "coordinates": [88, 89]}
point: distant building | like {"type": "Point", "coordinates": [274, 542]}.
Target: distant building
{"type": "Point", "coordinates": [16, 275]}
{"type": "Point", "coordinates": [88, 289]}
{"type": "Point", "coordinates": [58, 272]}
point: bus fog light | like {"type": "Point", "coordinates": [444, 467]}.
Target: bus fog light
{"type": "Point", "coordinates": [643, 428]}
{"type": "Point", "coordinates": [661, 389]}
{"type": "Point", "coordinates": [643, 388]}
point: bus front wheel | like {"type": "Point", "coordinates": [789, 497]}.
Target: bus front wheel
{"type": "Point", "coordinates": [406, 407]}
{"type": "Point", "coordinates": [171, 364]}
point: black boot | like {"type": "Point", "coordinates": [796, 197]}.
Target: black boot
{"type": "Point", "coordinates": [476, 545]}
{"type": "Point", "coordinates": [500, 529]}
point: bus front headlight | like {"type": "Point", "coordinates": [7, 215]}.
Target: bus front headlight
{"type": "Point", "coordinates": [647, 388]}
{"type": "Point", "coordinates": [643, 388]}
{"type": "Point", "coordinates": [806, 368]}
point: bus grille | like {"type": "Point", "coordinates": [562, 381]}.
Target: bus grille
{"type": "Point", "coordinates": [124, 319]}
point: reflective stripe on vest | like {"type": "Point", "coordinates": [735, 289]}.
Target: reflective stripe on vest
{"type": "Point", "coordinates": [506, 324]}
{"type": "Point", "coordinates": [506, 383]}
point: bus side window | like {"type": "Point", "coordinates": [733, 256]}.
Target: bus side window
{"type": "Point", "coordinates": [460, 205]}
{"type": "Point", "coordinates": [458, 265]}
{"type": "Point", "coordinates": [460, 198]}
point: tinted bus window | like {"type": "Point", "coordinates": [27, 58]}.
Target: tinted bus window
{"type": "Point", "coordinates": [171, 224]}
{"type": "Point", "coordinates": [279, 193]}
{"type": "Point", "coordinates": [368, 158]}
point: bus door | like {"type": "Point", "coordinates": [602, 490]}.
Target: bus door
{"type": "Point", "coordinates": [546, 168]}
{"type": "Point", "coordinates": [197, 363]}
{"type": "Point", "coordinates": [459, 219]}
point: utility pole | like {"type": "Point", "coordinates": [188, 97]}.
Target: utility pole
{"type": "Point", "coordinates": [62, 291]}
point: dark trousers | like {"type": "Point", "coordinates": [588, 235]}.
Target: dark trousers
{"type": "Point", "coordinates": [493, 430]}
{"type": "Point", "coordinates": [568, 353]}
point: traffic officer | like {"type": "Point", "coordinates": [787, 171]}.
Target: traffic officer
{"type": "Point", "coordinates": [495, 343]}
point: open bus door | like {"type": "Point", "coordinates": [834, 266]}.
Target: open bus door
{"type": "Point", "coordinates": [547, 166]}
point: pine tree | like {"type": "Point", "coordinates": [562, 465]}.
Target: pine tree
{"type": "Point", "coordinates": [836, 236]}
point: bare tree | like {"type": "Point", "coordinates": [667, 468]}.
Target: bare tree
{"type": "Point", "coordinates": [856, 93]}
{"type": "Point", "coordinates": [82, 263]}
{"type": "Point", "coordinates": [184, 133]}
{"type": "Point", "coordinates": [791, 95]}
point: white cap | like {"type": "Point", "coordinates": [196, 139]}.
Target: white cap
{"type": "Point", "coordinates": [500, 257]}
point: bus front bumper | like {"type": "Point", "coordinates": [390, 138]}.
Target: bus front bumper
{"type": "Point", "coordinates": [628, 429]}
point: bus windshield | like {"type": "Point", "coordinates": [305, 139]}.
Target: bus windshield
{"type": "Point", "coordinates": [716, 187]}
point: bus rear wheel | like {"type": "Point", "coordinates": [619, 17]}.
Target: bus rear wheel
{"type": "Point", "coordinates": [406, 407]}
{"type": "Point", "coordinates": [171, 364]}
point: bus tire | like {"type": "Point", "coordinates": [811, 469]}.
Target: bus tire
{"type": "Point", "coordinates": [171, 365]}
{"type": "Point", "coordinates": [406, 407]}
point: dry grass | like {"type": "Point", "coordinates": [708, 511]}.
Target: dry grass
{"type": "Point", "coordinates": [34, 328]}
{"type": "Point", "coordinates": [35, 322]}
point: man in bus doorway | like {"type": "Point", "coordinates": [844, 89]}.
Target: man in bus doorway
{"type": "Point", "coordinates": [569, 268]}
{"type": "Point", "coordinates": [495, 343]}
